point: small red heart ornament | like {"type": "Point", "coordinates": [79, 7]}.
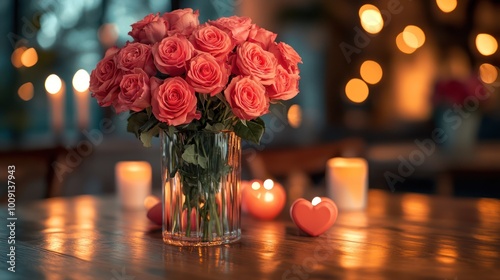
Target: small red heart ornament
{"type": "Point", "coordinates": [314, 219]}
{"type": "Point", "coordinates": [155, 214]}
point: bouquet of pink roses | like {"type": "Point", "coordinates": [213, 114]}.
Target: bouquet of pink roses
{"type": "Point", "coordinates": [197, 85]}
{"type": "Point", "coordinates": [177, 74]}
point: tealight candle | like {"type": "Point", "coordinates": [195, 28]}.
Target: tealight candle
{"type": "Point", "coordinates": [133, 181]}
{"type": "Point", "coordinates": [264, 200]}
{"type": "Point", "coordinates": [315, 217]}
{"type": "Point", "coordinates": [347, 182]}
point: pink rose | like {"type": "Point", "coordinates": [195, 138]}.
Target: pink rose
{"type": "Point", "coordinates": [261, 36]}
{"type": "Point", "coordinates": [134, 92]}
{"type": "Point", "coordinates": [237, 27]}
{"type": "Point", "coordinates": [212, 40]}
{"type": "Point", "coordinates": [252, 60]}
{"type": "Point", "coordinates": [287, 57]}
{"type": "Point", "coordinates": [247, 98]}
{"type": "Point", "coordinates": [173, 101]}
{"type": "Point", "coordinates": [207, 75]}
{"type": "Point", "coordinates": [182, 21]}
{"type": "Point", "coordinates": [171, 55]}
{"type": "Point", "coordinates": [105, 80]}
{"type": "Point", "coordinates": [285, 86]}
{"type": "Point", "coordinates": [136, 55]}
{"type": "Point", "coordinates": [149, 30]}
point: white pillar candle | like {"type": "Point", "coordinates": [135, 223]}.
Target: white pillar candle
{"type": "Point", "coordinates": [56, 88]}
{"type": "Point", "coordinates": [133, 183]}
{"type": "Point", "coordinates": [347, 182]}
{"type": "Point", "coordinates": [82, 97]}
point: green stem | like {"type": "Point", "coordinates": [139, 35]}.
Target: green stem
{"type": "Point", "coordinates": [215, 216]}
{"type": "Point", "coordinates": [188, 210]}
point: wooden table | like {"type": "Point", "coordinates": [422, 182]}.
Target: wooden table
{"type": "Point", "coordinates": [406, 236]}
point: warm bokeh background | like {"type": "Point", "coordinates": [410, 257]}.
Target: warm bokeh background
{"type": "Point", "coordinates": [385, 81]}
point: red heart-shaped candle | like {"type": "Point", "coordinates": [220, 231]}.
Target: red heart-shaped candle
{"type": "Point", "coordinates": [314, 218]}
{"type": "Point", "coordinates": [264, 200]}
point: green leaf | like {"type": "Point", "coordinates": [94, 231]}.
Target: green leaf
{"type": "Point", "coordinates": [202, 162]}
{"type": "Point", "coordinates": [193, 126]}
{"type": "Point", "coordinates": [190, 155]}
{"type": "Point", "coordinates": [136, 121]}
{"type": "Point", "coordinates": [252, 131]}
{"type": "Point", "coordinates": [152, 122]}
{"type": "Point", "coordinates": [215, 128]}
{"type": "Point", "coordinates": [260, 121]}
{"type": "Point", "coordinates": [147, 136]}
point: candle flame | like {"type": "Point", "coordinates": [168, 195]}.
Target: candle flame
{"type": "Point", "coordinates": [339, 162]}
{"type": "Point", "coordinates": [133, 170]}
{"type": "Point", "coordinates": [268, 197]}
{"type": "Point", "coordinates": [316, 201]}
{"type": "Point", "coordinates": [53, 84]}
{"type": "Point", "coordinates": [268, 184]}
{"type": "Point", "coordinates": [81, 80]}
{"type": "Point", "coordinates": [255, 186]}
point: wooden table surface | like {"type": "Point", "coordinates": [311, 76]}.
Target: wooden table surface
{"type": "Point", "coordinates": [399, 236]}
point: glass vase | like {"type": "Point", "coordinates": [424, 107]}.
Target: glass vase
{"type": "Point", "coordinates": [201, 193]}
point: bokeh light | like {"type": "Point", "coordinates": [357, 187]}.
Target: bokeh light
{"type": "Point", "coordinates": [488, 73]}
{"type": "Point", "coordinates": [356, 90]}
{"type": "Point", "coordinates": [268, 184]}
{"type": "Point", "coordinates": [402, 46]}
{"type": "Point", "coordinates": [26, 91]}
{"type": "Point", "coordinates": [29, 57]}
{"type": "Point", "coordinates": [447, 6]}
{"type": "Point", "coordinates": [294, 116]}
{"type": "Point", "coordinates": [81, 80]}
{"type": "Point", "coordinates": [413, 36]}
{"type": "Point", "coordinates": [371, 19]}
{"type": "Point", "coordinates": [108, 34]}
{"type": "Point", "coordinates": [371, 72]}
{"type": "Point", "coordinates": [53, 84]}
{"type": "Point", "coordinates": [16, 57]}
{"type": "Point", "coordinates": [486, 44]}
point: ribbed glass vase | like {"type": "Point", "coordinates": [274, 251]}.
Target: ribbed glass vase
{"type": "Point", "coordinates": [201, 193]}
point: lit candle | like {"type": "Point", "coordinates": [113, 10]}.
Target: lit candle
{"type": "Point", "coordinates": [264, 200]}
{"type": "Point", "coordinates": [133, 181]}
{"type": "Point", "coordinates": [56, 88]}
{"type": "Point", "coordinates": [347, 182]}
{"type": "Point", "coordinates": [81, 81]}
{"type": "Point", "coordinates": [315, 217]}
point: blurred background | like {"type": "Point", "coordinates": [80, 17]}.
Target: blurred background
{"type": "Point", "coordinates": [411, 86]}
